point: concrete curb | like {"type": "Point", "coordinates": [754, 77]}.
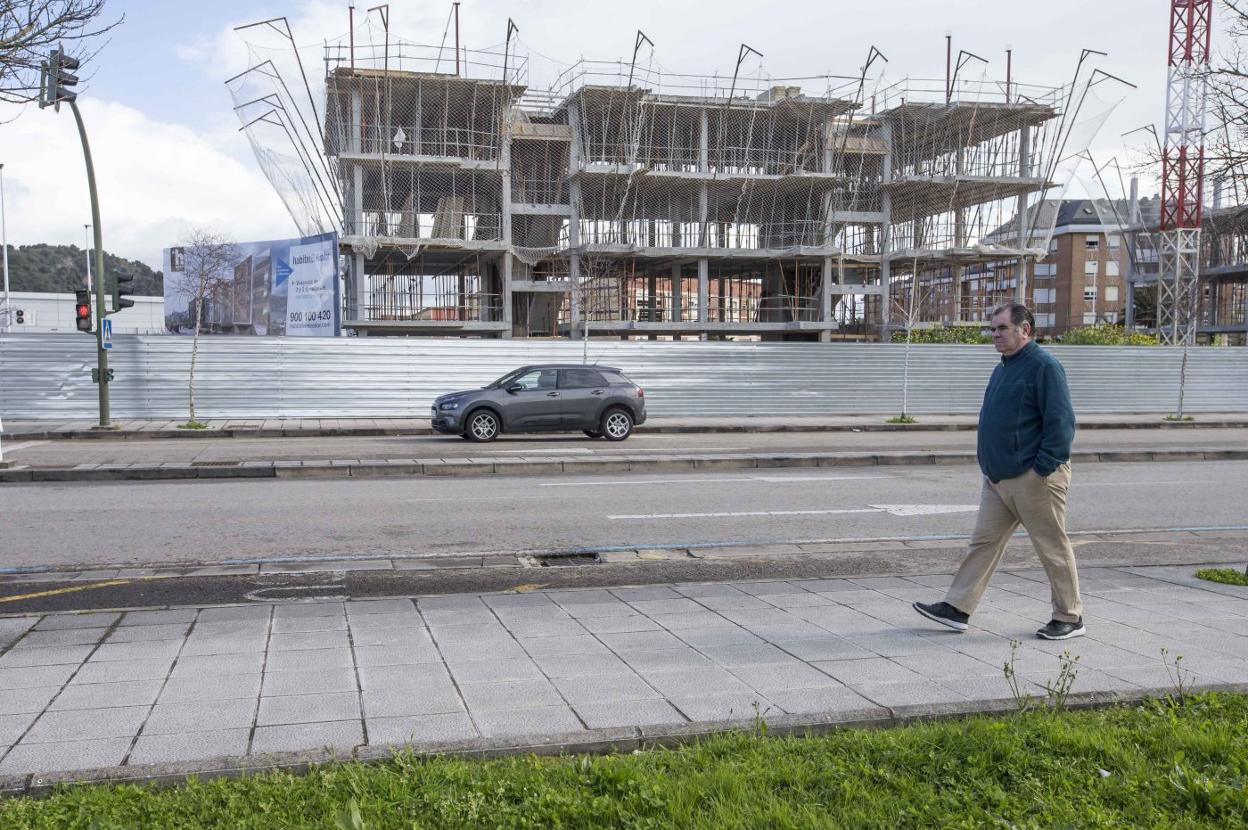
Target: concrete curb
{"type": "Point", "coordinates": [488, 466]}
{"type": "Point", "coordinates": [589, 741]}
{"type": "Point", "coordinates": [650, 428]}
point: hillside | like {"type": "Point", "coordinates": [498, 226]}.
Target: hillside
{"type": "Point", "coordinates": [62, 268]}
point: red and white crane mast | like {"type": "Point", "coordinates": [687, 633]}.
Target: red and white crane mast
{"type": "Point", "coordinates": [1182, 170]}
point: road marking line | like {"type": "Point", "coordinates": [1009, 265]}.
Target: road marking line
{"type": "Point", "coordinates": [1131, 483]}
{"type": "Point", "coordinates": [787, 479]}
{"type": "Point", "coordinates": [735, 479]}
{"type": "Point", "coordinates": [25, 445]}
{"type": "Point", "coordinates": [744, 513]}
{"type": "Point", "coordinates": [71, 590]}
{"type": "Point", "coordinates": [671, 449]}
{"type": "Point", "coordinates": [568, 451]}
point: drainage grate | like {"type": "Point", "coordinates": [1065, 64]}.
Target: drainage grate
{"type": "Point", "coordinates": [568, 560]}
{"type": "Point", "coordinates": [215, 463]}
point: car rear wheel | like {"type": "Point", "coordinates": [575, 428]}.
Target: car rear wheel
{"type": "Point", "coordinates": [482, 426]}
{"type": "Point", "coordinates": [593, 433]}
{"type": "Point", "coordinates": [617, 425]}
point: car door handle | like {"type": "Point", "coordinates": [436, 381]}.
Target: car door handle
{"type": "Point", "coordinates": [596, 392]}
{"type": "Point", "coordinates": [552, 394]}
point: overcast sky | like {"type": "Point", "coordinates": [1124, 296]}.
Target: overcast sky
{"type": "Point", "coordinates": [169, 156]}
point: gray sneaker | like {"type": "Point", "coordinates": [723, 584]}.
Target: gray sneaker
{"type": "Point", "coordinates": [1058, 630]}
{"type": "Point", "coordinates": [944, 613]}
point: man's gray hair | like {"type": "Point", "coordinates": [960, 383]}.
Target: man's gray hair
{"type": "Point", "coordinates": [1019, 314]}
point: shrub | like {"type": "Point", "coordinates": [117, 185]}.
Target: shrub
{"type": "Point", "coordinates": [1106, 334]}
{"type": "Point", "coordinates": [941, 334]}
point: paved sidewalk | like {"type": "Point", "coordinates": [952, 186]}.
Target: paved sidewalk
{"type": "Point", "coordinates": [127, 428]}
{"type": "Point", "coordinates": [165, 693]}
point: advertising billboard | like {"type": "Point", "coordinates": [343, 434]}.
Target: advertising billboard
{"type": "Point", "coordinates": [278, 287]}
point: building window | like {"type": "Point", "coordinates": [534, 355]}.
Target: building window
{"type": "Point", "coordinates": [1092, 268]}
{"type": "Point", "coordinates": [1111, 293]}
{"type": "Point", "coordinates": [1044, 321]}
{"type": "Point", "coordinates": [1089, 294]}
{"type": "Point", "coordinates": [1092, 242]}
{"type": "Point", "coordinates": [1089, 318]}
{"type": "Point", "coordinates": [1044, 270]}
{"type": "Point", "coordinates": [1111, 268]}
{"type": "Point", "coordinates": [1044, 296]}
{"type": "Point", "coordinates": [1053, 244]}
{"type": "Point", "coordinates": [1111, 317]}
{"type": "Point", "coordinates": [1115, 241]}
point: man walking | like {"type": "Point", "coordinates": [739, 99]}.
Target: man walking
{"type": "Point", "coordinates": [1026, 427]}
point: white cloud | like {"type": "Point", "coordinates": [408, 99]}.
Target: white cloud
{"type": "Point", "coordinates": [156, 180]}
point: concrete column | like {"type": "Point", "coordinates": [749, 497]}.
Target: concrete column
{"type": "Point", "coordinates": [418, 120]}
{"type": "Point", "coordinates": [886, 234]}
{"type": "Point", "coordinates": [357, 119]}
{"type": "Point", "coordinates": [505, 195]}
{"type": "Point", "coordinates": [574, 216]}
{"type": "Point", "coordinates": [1024, 170]}
{"type": "Point", "coordinates": [704, 270]}
{"type": "Point", "coordinates": [704, 142]}
{"type": "Point", "coordinates": [825, 298]}
{"type": "Point", "coordinates": [677, 299]}
{"type": "Point", "coordinates": [355, 285]}
{"type": "Point", "coordinates": [959, 241]}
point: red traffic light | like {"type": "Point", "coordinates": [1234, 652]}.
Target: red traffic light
{"type": "Point", "coordinates": [82, 310]}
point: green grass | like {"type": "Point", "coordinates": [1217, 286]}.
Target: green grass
{"type": "Point", "coordinates": [1178, 418]}
{"type": "Point", "coordinates": [1226, 576]}
{"type": "Point", "coordinates": [1156, 765]}
{"type": "Point", "coordinates": [193, 425]}
{"type": "Point", "coordinates": [903, 419]}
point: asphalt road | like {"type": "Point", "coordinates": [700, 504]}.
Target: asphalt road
{"type": "Point", "coordinates": [172, 522]}
{"type": "Point", "coordinates": [185, 450]}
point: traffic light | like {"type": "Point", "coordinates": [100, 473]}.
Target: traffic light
{"type": "Point", "coordinates": [82, 309]}
{"type": "Point", "coordinates": [19, 316]}
{"type": "Point", "coordinates": [122, 289]}
{"type": "Point", "coordinates": [56, 78]}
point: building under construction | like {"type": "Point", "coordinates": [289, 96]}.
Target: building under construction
{"type": "Point", "coordinates": [620, 200]}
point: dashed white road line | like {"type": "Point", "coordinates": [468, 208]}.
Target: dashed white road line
{"type": "Point", "coordinates": [901, 510]}
{"type": "Point", "coordinates": [743, 513]}
{"type": "Point", "coordinates": [732, 480]}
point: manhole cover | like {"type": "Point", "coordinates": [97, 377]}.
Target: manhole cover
{"type": "Point", "coordinates": [568, 560]}
{"type": "Point", "coordinates": [215, 463]}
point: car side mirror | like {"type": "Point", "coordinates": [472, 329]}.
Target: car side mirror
{"type": "Point", "coordinates": [514, 388]}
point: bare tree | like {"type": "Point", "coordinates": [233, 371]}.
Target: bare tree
{"type": "Point", "coordinates": [30, 29]}
{"type": "Point", "coordinates": [911, 313]}
{"type": "Point", "coordinates": [1227, 141]}
{"type": "Point", "coordinates": [598, 294]}
{"type": "Point", "coordinates": [206, 275]}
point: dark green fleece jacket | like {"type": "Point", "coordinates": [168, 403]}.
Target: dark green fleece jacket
{"type": "Point", "coordinates": [1027, 422]}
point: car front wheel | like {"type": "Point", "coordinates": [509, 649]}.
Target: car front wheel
{"type": "Point", "coordinates": [482, 426]}
{"type": "Point", "coordinates": [617, 425]}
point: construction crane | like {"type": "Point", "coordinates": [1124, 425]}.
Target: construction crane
{"type": "Point", "coordinates": [1182, 171]}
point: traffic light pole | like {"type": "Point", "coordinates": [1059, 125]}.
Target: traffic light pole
{"type": "Point", "coordinates": [101, 353]}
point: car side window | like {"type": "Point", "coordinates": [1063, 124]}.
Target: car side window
{"type": "Point", "coordinates": [580, 379]}
{"type": "Point", "coordinates": [537, 379]}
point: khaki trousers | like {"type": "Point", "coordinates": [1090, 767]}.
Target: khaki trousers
{"type": "Point", "coordinates": [1039, 505]}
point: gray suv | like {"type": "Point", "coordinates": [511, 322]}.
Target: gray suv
{"type": "Point", "coordinates": [598, 400]}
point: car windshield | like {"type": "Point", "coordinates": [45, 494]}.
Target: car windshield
{"type": "Point", "coordinates": [505, 380]}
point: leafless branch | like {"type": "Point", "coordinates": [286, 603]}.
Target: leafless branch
{"type": "Point", "coordinates": [30, 29]}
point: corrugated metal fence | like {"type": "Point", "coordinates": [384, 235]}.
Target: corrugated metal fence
{"type": "Point", "coordinates": [49, 376]}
